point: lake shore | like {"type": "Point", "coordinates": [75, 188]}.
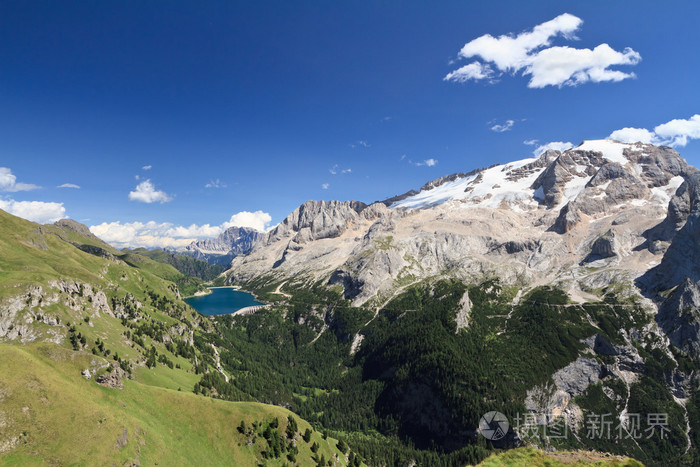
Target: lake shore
{"type": "Point", "coordinates": [222, 302]}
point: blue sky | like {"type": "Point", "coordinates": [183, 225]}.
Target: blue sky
{"type": "Point", "coordinates": [263, 101]}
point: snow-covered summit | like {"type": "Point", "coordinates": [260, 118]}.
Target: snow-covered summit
{"type": "Point", "coordinates": [554, 179]}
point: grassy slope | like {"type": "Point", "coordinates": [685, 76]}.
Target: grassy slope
{"type": "Point", "coordinates": [535, 457]}
{"type": "Point", "coordinates": [49, 414]}
{"type": "Point", "coordinates": [67, 419]}
{"type": "Point", "coordinates": [183, 263]}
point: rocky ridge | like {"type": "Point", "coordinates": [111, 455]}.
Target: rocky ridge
{"type": "Point", "coordinates": [542, 220]}
{"type": "Point", "coordinates": [232, 242]}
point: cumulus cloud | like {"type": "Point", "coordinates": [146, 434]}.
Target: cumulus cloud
{"type": "Point", "coordinates": [676, 133]}
{"type": "Point", "coordinates": [167, 235]}
{"type": "Point", "coordinates": [145, 192]}
{"type": "Point", "coordinates": [633, 135]}
{"type": "Point", "coordinates": [8, 182]}
{"type": "Point", "coordinates": [361, 143]}
{"type": "Point", "coordinates": [69, 185]}
{"type": "Point", "coordinates": [325, 186]}
{"type": "Point", "coordinates": [258, 220]}
{"type": "Point", "coordinates": [556, 145]}
{"type": "Point", "coordinates": [35, 211]}
{"type": "Point", "coordinates": [508, 125]}
{"type": "Point", "coordinates": [147, 167]}
{"type": "Point", "coordinates": [529, 53]}
{"type": "Point", "coordinates": [215, 184]}
{"type": "Point", "coordinates": [530, 142]}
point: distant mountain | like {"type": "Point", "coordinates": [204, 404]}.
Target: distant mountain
{"type": "Point", "coordinates": [233, 242]}
{"type": "Point", "coordinates": [537, 220]}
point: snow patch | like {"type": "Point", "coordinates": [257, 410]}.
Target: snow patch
{"type": "Point", "coordinates": [488, 188]}
{"type": "Point", "coordinates": [612, 150]}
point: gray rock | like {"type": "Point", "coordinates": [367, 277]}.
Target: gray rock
{"type": "Point", "coordinates": [568, 218]}
{"type": "Point", "coordinates": [679, 317]}
{"type": "Point", "coordinates": [577, 376]}
{"type": "Point", "coordinates": [233, 242]}
{"type": "Point", "coordinates": [605, 246]}
{"type": "Point", "coordinates": [682, 228]}
{"type": "Point", "coordinates": [324, 219]}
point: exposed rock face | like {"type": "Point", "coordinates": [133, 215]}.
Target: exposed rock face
{"type": "Point", "coordinates": [679, 317]}
{"type": "Point", "coordinates": [232, 242]}
{"type": "Point", "coordinates": [677, 237]}
{"type": "Point", "coordinates": [605, 246]}
{"type": "Point", "coordinates": [315, 220]}
{"type": "Point", "coordinates": [465, 306]}
{"type": "Point", "coordinates": [577, 376]}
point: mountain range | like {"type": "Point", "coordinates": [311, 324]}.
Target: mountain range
{"type": "Point", "coordinates": [599, 213]}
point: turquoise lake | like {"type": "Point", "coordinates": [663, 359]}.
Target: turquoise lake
{"type": "Point", "coordinates": [222, 301]}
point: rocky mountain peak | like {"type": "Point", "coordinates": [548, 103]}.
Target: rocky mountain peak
{"type": "Point", "coordinates": [315, 220]}
{"type": "Point", "coordinates": [230, 243]}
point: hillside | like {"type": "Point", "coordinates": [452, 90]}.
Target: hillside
{"type": "Point", "coordinates": [49, 410]}
{"type": "Point", "coordinates": [187, 265]}
{"type": "Point", "coordinates": [75, 312]}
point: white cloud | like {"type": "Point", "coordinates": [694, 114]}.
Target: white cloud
{"type": "Point", "coordinates": [167, 235]}
{"type": "Point", "coordinates": [676, 132]}
{"type": "Point", "coordinates": [530, 142]}
{"type": "Point", "coordinates": [474, 70]}
{"type": "Point", "coordinates": [556, 145]}
{"type": "Point", "coordinates": [508, 125]}
{"type": "Point", "coordinates": [257, 220]}
{"type": "Point", "coordinates": [35, 211]}
{"type": "Point", "coordinates": [362, 143]}
{"type": "Point", "coordinates": [147, 167]}
{"type": "Point", "coordinates": [215, 184]}
{"type": "Point", "coordinates": [69, 185]}
{"type": "Point", "coordinates": [325, 186]}
{"type": "Point", "coordinates": [8, 182]}
{"type": "Point", "coordinates": [138, 234]}
{"type": "Point", "coordinates": [633, 135]}
{"type": "Point", "coordinates": [427, 162]}
{"type": "Point", "coordinates": [530, 54]}
{"type": "Point", "coordinates": [566, 66]}
{"type": "Point", "coordinates": [145, 192]}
